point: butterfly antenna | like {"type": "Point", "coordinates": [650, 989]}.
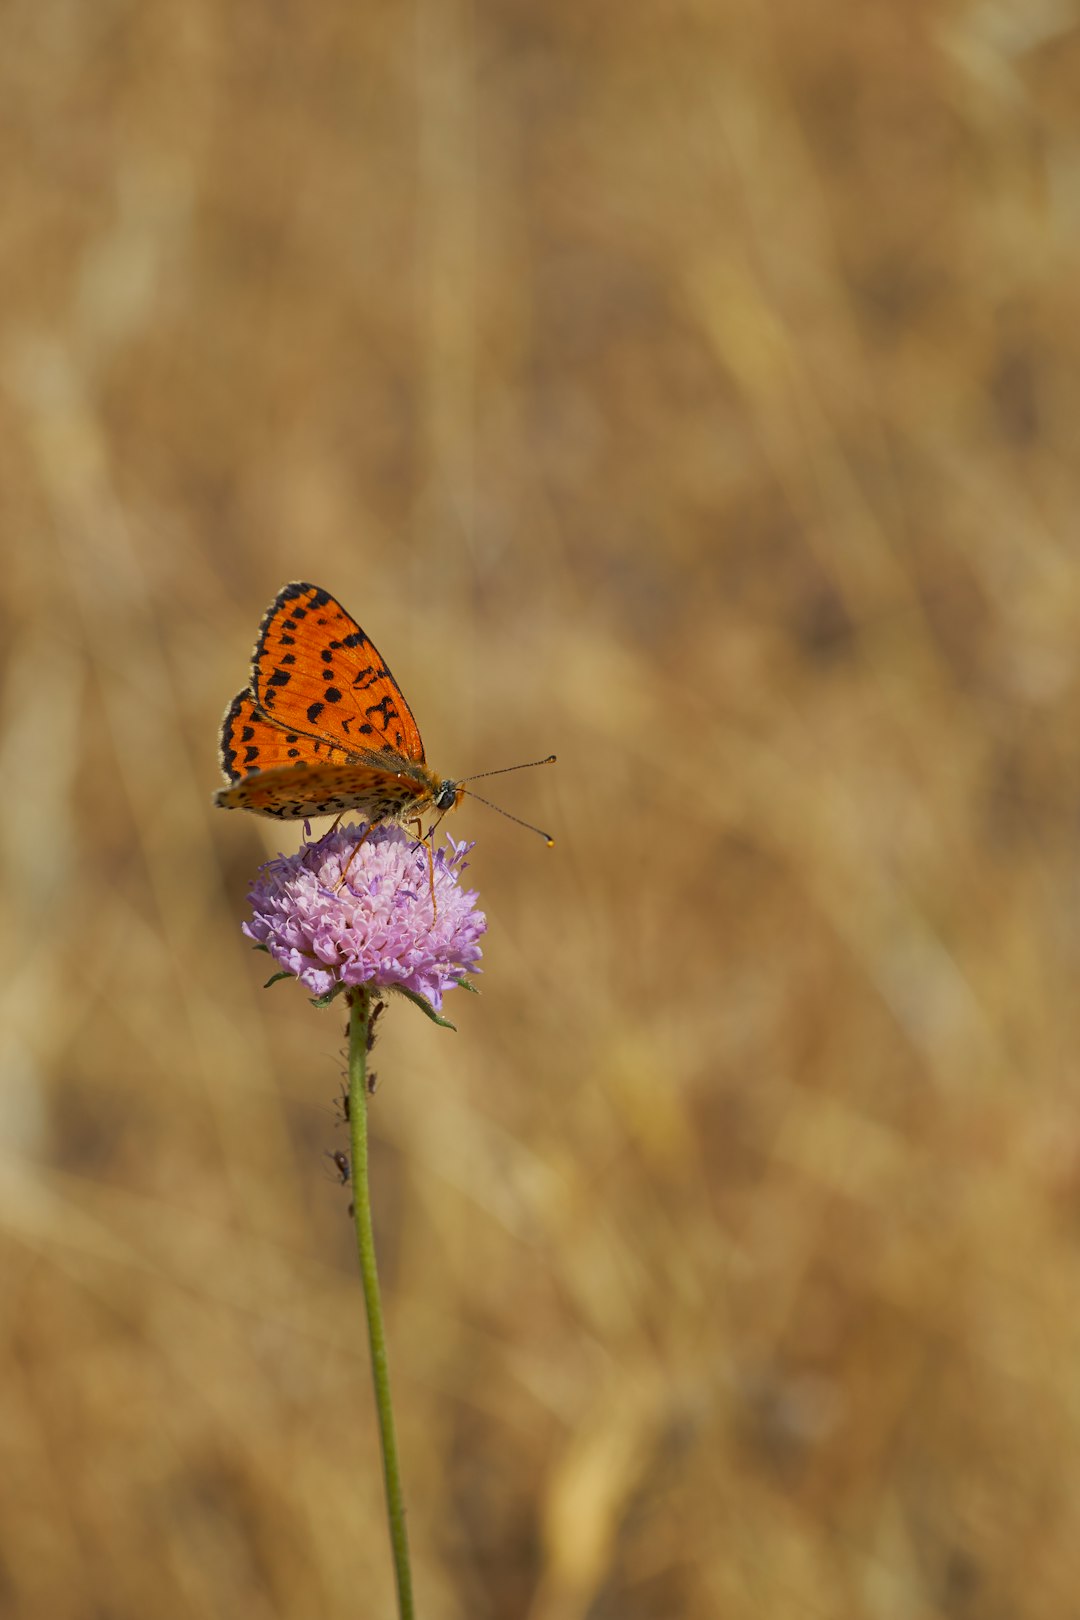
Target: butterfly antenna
{"type": "Point", "coordinates": [528, 765]}
{"type": "Point", "coordinates": [528, 824]}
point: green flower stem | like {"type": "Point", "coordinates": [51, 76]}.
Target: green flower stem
{"type": "Point", "coordinates": [359, 1026]}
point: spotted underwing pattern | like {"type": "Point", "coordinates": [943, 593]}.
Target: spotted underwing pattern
{"type": "Point", "coordinates": [322, 727]}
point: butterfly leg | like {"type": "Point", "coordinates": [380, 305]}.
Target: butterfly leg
{"type": "Point", "coordinates": [420, 839]}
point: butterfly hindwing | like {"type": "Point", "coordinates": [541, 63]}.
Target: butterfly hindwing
{"type": "Point", "coordinates": [291, 792]}
{"type": "Point", "coordinates": [315, 670]}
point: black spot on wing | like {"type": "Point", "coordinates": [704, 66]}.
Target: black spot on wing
{"type": "Point", "coordinates": [385, 707]}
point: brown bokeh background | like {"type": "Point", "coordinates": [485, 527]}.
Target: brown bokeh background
{"type": "Point", "coordinates": [692, 391]}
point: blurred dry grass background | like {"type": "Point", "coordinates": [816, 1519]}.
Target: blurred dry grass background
{"type": "Point", "coordinates": [693, 391]}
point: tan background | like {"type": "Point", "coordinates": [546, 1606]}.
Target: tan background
{"type": "Point", "coordinates": [691, 390]}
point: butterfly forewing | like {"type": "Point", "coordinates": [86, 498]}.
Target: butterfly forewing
{"type": "Point", "coordinates": [314, 670]}
{"type": "Point", "coordinates": [250, 743]}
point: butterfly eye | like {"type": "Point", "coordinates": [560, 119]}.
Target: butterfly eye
{"type": "Point", "coordinates": [445, 796]}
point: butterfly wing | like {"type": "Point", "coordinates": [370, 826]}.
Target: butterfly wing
{"type": "Point", "coordinates": [312, 788]}
{"type": "Point", "coordinates": [290, 774]}
{"type": "Point", "coordinates": [250, 743]}
{"type": "Point", "coordinates": [315, 672]}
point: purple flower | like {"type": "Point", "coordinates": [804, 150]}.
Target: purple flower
{"type": "Point", "coordinates": [377, 927]}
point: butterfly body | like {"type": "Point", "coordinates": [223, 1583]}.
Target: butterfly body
{"type": "Point", "coordinates": [323, 727]}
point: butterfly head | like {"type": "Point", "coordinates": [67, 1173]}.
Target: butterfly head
{"type": "Point", "coordinates": [447, 796]}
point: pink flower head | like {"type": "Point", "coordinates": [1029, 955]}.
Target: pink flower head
{"type": "Point", "coordinates": [376, 928]}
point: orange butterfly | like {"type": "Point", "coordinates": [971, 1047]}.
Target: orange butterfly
{"type": "Point", "coordinates": [323, 727]}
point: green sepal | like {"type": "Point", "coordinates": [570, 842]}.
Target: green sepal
{"type": "Point", "coordinates": [274, 977]}
{"type": "Point", "coordinates": [424, 1006]}
{"type": "Point", "coordinates": [331, 995]}
{"type": "Point", "coordinates": [467, 984]}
